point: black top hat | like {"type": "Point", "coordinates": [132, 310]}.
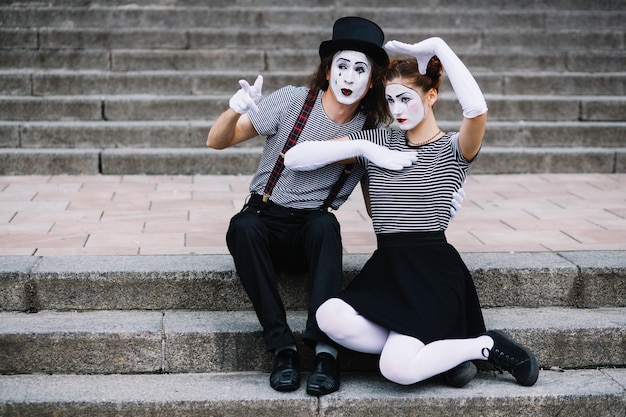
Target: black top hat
{"type": "Point", "coordinates": [356, 34]}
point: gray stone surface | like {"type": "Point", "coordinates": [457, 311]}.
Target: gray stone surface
{"type": "Point", "coordinates": [135, 160]}
{"type": "Point", "coordinates": [155, 65]}
{"type": "Point", "coordinates": [53, 109]}
{"type": "Point", "coordinates": [544, 160]}
{"type": "Point", "coordinates": [226, 341]}
{"type": "Point", "coordinates": [186, 161]}
{"type": "Point", "coordinates": [17, 289]}
{"type": "Point", "coordinates": [144, 282]}
{"type": "Point", "coordinates": [602, 277]}
{"type": "Point", "coordinates": [49, 161]}
{"type": "Point", "coordinates": [221, 83]}
{"type": "Point", "coordinates": [583, 393]}
{"type": "Point", "coordinates": [577, 393]}
{"type": "Point", "coordinates": [103, 134]}
{"type": "Point", "coordinates": [90, 342]}
{"type": "Point", "coordinates": [522, 279]}
{"type": "Point", "coordinates": [538, 135]}
{"type": "Point", "coordinates": [210, 282]}
{"type": "Point", "coordinates": [558, 337]}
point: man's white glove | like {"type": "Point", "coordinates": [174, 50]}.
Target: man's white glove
{"type": "Point", "coordinates": [464, 85]}
{"type": "Point", "coordinates": [457, 199]}
{"type": "Point", "coordinates": [310, 155]}
{"type": "Point", "coordinates": [245, 99]}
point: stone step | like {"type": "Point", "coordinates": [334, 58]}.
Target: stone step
{"type": "Point", "coordinates": [244, 161]}
{"type": "Point", "coordinates": [480, 16]}
{"type": "Point", "coordinates": [88, 50]}
{"type": "Point", "coordinates": [209, 282]}
{"type": "Point", "coordinates": [575, 393]}
{"type": "Point", "coordinates": [272, 59]}
{"type": "Point", "coordinates": [24, 82]}
{"type": "Point", "coordinates": [522, 38]}
{"type": "Point", "coordinates": [134, 135]}
{"type": "Point", "coordinates": [171, 341]}
{"type": "Point", "coordinates": [196, 107]}
{"type": "Point", "coordinates": [581, 5]}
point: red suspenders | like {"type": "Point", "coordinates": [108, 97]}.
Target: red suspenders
{"type": "Point", "coordinates": [298, 127]}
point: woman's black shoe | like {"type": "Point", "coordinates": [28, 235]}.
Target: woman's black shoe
{"type": "Point", "coordinates": [286, 373]}
{"type": "Point", "coordinates": [325, 376]}
{"type": "Point", "coordinates": [510, 356]}
{"type": "Point", "coordinates": [460, 375]}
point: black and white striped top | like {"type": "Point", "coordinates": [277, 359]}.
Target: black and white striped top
{"type": "Point", "coordinates": [416, 199]}
{"type": "Point", "coordinates": [299, 189]}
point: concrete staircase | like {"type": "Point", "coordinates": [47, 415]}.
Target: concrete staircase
{"type": "Point", "coordinates": [121, 87]}
{"type": "Point", "coordinates": [175, 335]}
{"type": "Point", "coordinates": [116, 87]}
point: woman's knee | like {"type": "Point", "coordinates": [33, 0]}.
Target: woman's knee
{"type": "Point", "coordinates": [395, 370]}
{"type": "Point", "coordinates": [329, 315]}
{"type": "Point", "coordinates": [400, 360]}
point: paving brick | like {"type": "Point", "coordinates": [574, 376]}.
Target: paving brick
{"type": "Point", "coordinates": [501, 212]}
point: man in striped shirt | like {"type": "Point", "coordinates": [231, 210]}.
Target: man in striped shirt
{"type": "Point", "coordinates": [286, 224]}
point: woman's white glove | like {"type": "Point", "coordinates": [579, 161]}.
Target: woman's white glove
{"type": "Point", "coordinates": [457, 199]}
{"type": "Point", "coordinates": [464, 85]}
{"type": "Point", "coordinates": [245, 99]}
{"type": "Point", "coordinates": [310, 155]}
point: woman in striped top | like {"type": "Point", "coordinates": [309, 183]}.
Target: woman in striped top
{"type": "Point", "coordinates": [414, 302]}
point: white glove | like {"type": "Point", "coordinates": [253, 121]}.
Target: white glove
{"type": "Point", "coordinates": [245, 100]}
{"type": "Point", "coordinates": [457, 199]}
{"type": "Point", "coordinates": [310, 155]}
{"type": "Point", "coordinates": [464, 85]}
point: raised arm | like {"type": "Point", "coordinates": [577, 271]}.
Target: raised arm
{"type": "Point", "coordinates": [465, 87]}
{"type": "Point", "coordinates": [234, 126]}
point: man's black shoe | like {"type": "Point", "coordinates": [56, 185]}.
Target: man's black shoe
{"type": "Point", "coordinates": [286, 373]}
{"type": "Point", "coordinates": [460, 375]}
{"type": "Point", "coordinates": [325, 376]}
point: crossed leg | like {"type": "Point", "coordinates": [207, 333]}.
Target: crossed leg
{"type": "Point", "coordinates": [403, 359]}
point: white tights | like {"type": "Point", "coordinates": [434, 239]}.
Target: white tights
{"type": "Point", "coordinates": [403, 359]}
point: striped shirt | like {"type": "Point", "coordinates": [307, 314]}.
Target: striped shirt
{"type": "Point", "coordinates": [416, 199]}
{"type": "Point", "coordinates": [300, 189]}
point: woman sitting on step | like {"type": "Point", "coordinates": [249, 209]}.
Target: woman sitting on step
{"type": "Point", "coordinates": [414, 303]}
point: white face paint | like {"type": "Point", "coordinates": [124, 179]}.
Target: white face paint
{"type": "Point", "coordinates": [405, 105]}
{"type": "Point", "coordinates": [350, 76]}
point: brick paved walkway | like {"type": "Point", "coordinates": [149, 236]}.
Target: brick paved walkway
{"type": "Point", "coordinates": [160, 215]}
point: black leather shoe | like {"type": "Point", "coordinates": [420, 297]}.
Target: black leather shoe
{"type": "Point", "coordinates": [460, 375]}
{"type": "Point", "coordinates": [325, 376]}
{"type": "Point", "coordinates": [286, 373]}
{"type": "Point", "coordinates": [511, 356]}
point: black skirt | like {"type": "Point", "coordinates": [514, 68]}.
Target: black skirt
{"type": "Point", "coordinates": [417, 284]}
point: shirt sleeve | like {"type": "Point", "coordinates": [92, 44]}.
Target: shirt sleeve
{"type": "Point", "coordinates": [272, 111]}
{"type": "Point", "coordinates": [377, 136]}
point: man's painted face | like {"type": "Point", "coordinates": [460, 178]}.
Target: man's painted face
{"type": "Point", "coordinates": [350, 76]}
{"type": "Point", "coordinates": [405, 105]}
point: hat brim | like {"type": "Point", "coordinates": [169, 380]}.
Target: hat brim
{"type": "Point", "coordinates": [375, 52]}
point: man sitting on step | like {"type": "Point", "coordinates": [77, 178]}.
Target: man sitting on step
{"type": "Point", "coordinates": [286, 223]}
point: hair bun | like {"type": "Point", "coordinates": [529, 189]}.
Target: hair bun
{"type": "Point", "coordinates": [434, 68]}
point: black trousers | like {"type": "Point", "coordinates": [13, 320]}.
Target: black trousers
{"type": "Point", "coordinates": [265, 238]}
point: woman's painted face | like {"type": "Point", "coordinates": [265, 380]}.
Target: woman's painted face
{"type": "Point", "coordinates": [350, 76]}
{"type": "Point", "coordinates": [405, 105]}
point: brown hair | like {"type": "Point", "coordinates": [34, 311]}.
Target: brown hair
{"type": "Point", "coordinates": [406, 68]}
{"type": "Point", "coordinates": [373, 104]}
